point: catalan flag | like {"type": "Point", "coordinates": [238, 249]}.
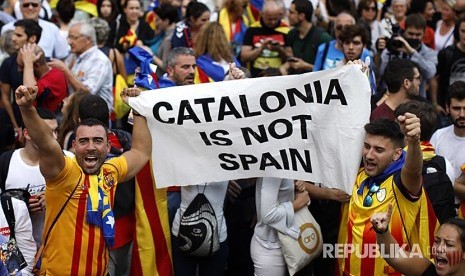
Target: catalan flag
{"type": "Point", "coordinates": [146, 78]}
{"type": "Point", "coordinates": [151, 254]}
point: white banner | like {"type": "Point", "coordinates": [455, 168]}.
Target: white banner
{"type": "Point", "coordinates": [307, 127]}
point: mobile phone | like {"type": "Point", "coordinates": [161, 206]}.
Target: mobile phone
{"type": "Point", "coordinates": [291, 59]}
{"type": "Point", "coordinates": [274, 43]}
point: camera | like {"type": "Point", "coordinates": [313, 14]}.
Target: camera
{"type": "Point", "coordinates": [393, 45]}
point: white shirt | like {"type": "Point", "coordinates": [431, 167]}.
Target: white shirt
{"type": "Point", "coordinates": [93, 69]}
{"type": "Point", "coordinates": [273, 198]}
{"type": "Point", "coordinates": [451, 146]}
{"type": "Point", "coordinates": [23, 176]}
{"type": "Point", "coordinates": [442, 41]}
{"type": "Point", "coordinates": [51, 42]}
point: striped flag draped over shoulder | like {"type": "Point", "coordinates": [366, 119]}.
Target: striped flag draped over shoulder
{"type": "Point", "coordinates": [151, 253]}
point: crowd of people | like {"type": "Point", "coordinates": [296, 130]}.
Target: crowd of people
{"type": "Point", "coordinates": [68, 160]}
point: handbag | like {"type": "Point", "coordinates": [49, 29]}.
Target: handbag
{"type": "Point", "coordinates": [299, 253]}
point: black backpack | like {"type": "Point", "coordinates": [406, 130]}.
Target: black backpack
{"type": "Point", "coordinates": [439, 188]}
{"type": "Point", "coordinates": [4, 167]}
{"type": "Point", "coordinates": [198, 228]}
{"type": "Point", "coordinates": [20, 194]}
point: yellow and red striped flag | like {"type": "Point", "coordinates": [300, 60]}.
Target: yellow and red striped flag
{"type": "Point", "coordinates": [151, 253]}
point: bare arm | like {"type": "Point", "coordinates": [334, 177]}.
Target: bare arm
{"type": "Point", "coordinates": [28, 57]}
{"type": "Point", "coordinates": [51, 159]}
{"type": "Point", "coordinates": [411, 171]}
{"type": "Point", "coordinates": [248, 53]}
{"type": "Point", "coordinates": [119, 63]}
{"type": "Point", "coordinates": [406, 263]}
{"type": "Point", "coordinates": [459, 186]}
{"type": "Point", "coordinates": [317, 192]}
{"type": "Point", "coordinates": [433, 93]}
{"type": "Point", "coordinates": [141, 149]}
{"type": "Point", "coordinates": [7, 104]}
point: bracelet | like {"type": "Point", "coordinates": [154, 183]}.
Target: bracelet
{"type": "Point", "coordinates": [380, 232]}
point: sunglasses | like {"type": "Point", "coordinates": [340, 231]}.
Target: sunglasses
{"type": "Point", "coordinates": [368, 201]}
{"type": "Point", "coordinates": [370, 8]}
{"type": "Point", "coordinates": [27, 5]}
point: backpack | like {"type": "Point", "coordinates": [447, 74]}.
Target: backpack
{"type": "Point", "coordinates": [4, 167]}
{"type": "Point", "coordinates": [198, 228]}
{"type": "Point", "coordinates": [439, 188]}
{"type": "Point", "coordinates": [20, 194]}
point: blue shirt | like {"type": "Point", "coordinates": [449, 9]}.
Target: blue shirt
{"type": "Point", "coordinates": [334, 57]}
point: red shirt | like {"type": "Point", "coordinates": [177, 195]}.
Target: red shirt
{"type": "Point", "coordinates": [52, 90]}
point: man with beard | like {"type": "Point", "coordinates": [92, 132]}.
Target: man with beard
{"type": "Point", "coordinates": [304, 38]}
{"type": "Point", "coordinates": [79, 222]}
{"type": "Point", "coordinates": [409, 46]}
{"type": "Point", "coordinates": [450, 141]}
{"type": "Point", "coordinates": [402, 79]}
{"type": "Point", "coordinates": [180, 68]}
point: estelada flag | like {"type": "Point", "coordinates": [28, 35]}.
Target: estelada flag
{"type": "Point", "coordinates": [151, 253]}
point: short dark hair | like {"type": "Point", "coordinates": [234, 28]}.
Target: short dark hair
{"type": "Point", "coordinates": [93, 106]}
{"type": "Point", "coordinates": [167, 11]}
{"type": "Point", "coordinates": [91, 122]}
{"type": "Point", "coordinates": [416, 21]}
{"type": "Point", "coordinates": [425, 112]}
{"type": "Point", "coordinates": [305, 7]}
{"type": "Point", "coordinates": [195, 9]}
{"type": "Point", "coordinates": [418, 6]}
{"type": "Point", "coordinates": [65, 9]}
{"type": "Point", "coordinates": [352, 31]}
{"type": "Point", "coordinates": [31, 27]}
{"type": "Point", "coordinates": [45, 114]}
{"type": "Point", "coordinates": [396, 72]}
{"type": "Point", "coordinates": [388, 129]}
{"type": "Point", "coordinates": [456, 91]}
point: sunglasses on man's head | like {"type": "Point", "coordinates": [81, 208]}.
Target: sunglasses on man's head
{"type": "Point", "coordinates": [27, 5]}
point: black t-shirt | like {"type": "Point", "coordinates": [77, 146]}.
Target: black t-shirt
{"type": "Point", "coordinates": [267, 58]}
{"type": "Point", "coordinates": [307, 47]}
{"type": "Point", "coordinates": [9, 72]}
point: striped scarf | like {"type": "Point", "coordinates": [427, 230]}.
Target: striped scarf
{"type": "Point", "coordinates": [99, 211]}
